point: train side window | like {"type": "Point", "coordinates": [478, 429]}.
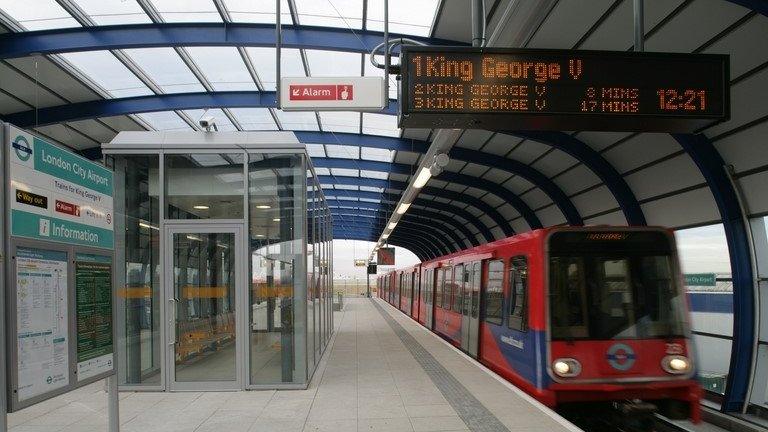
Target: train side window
{"type": "Point", "coordinates": [518, 299]}
{"type": "Point", "coordinates": [440, 287]}
{"type": "Point", "coordinates": [476, 278]}
{"type": "Point", "coordinates": [494, 292]}
{"type": "Point", "coordinates": [445, 286]}
{"type": "Point", "coordinates": [456, 287]}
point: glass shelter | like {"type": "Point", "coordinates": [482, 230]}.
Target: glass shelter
{"type": "Point", "coordinates": [223, 246]}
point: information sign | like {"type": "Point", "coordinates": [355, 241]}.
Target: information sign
{"type": "Point", "coordinates": [58, 196]}
{"type": "Point", "coordinates": [361, 263]}
{"type": "Point", "coordinates": [505, 89]}
{"type": "Point", "coordinates": [93, 294]}
{"type": "Point", "coordinates": [700, 279]}
{"type": "Point", "coordinates": [385, 256]}
{"type": "Point", "coordinates": [332, 94]}
{"type": "Point", "coordinates": [42, 330]}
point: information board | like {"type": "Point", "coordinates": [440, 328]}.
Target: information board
{"type": "Point", "coordinates": [385, 256]}
{"type": "Point", "coordinates": [57, 195]}
{"type": "Point", "coordinates": [93, 298]}
{"type": "Point", "coordinates": [506, 89]}
{"type": "Point", "coordinates": [42, 331]}
{"type": "Point", "coordinates": [700, 279]}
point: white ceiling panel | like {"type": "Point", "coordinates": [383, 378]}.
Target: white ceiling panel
{"type": "Point", "coordinates": [297, 120]}
{"type": "Point", "coordinates": [518, 184]}
{"type": "Point", "coordinates": [613, 218]}
{"type": "Point", "coordinates": [25, 89]}
{"type": "Point", "coordinates": [187, 10]}
{"type": "Point", "coordinates": [493, 200]}
{"type": "Point", "coordinates": [617, 33]}
{"type": "Point", "coordinates": [407, 158]}
{"type": "Point", "coordinates": [111, 12]}
{"type": "Point", "coordinates": [342, 151]}
{"type": "Point", "coordinates": [477, 193]}
{"type": "Point", "coordinates": [700, 208]}
{"type": "Point", "coordinates": [473, 138]}
{"type": "Point", "coordinates": [568, 22]}
{"type": "Point", "coordinates": [164, 121]}
{"type": "Point", "coordinates": [484, 218]}
{"type": "Point", "coordinates": [122, 123]}
{"type": "Point", "coordinates": [258, 11]}
{"type": "Point", "coordinates": [536, 198]}
{"type": "Point", "coordinates": [54, 78]}
{"type": "Point", "coordinates": [640, 150]}
{"type": "Point", "coordinates": [659, 179]}
{"type": "Point", "coordinates": [576, 179]}
{"type": "Point", "coordinates": [331, 13]}
{"type": "Point", "coordinates": [380, 124]}
{"type": "Point", "coordinates": [405, 16]}
{"type": "Point", "coordinates": [474, 170]}
{"type": "Point", "coordinates": [746, 45]}
{"type": "Point", "coordinates": [528, 151]}
{"type": "Point", "coordinates": [498, 234]}
{"type": "Point", "coordinates": [254, 118]}
{"type": "Point", "coordinates": [741, 149]}
{"type": "Point", "coordinates": [418, 134]}
{"type": "Point", "coordinates": [694, 25]}
{"type": "Point", "coordinates": [497, 176]}
{"type": "Point", "coordinates": [10, 105]}
{"type": "Point", "coordinates": [94, 129]}
{"type": "Point", "coordinates": [68, 137]}
{"type": "Point", "coordinates": [555, 162]}
{"type": "Point", "coordinates": [753, 188]}
{"type": "Point", "coordinates": [455, 165]}
{"type": "Point", "coordinates": [455, 187]}
{"type": "Point", "coordinates": [108, 72]}
{"type": "Point", "coordinates": [264, 62]}
{"type": "Point", "coordinates": [550, 216]}
{"type": "Point", "coordinates": [340, 121]}
{"type": "Point", "coordinates": [167, 69]}
{"type": "Point", "coordinates": [601, 140]}
{"type": "Point", "coordinates": [747, 103]}
{"type": "Point", "coordinates": [40, 15]}
{"type": "Point", "coordinates": [594, 201]}
{"type": "Point", "coordinates": [377, 154]}
{"type": "Point", "coordinates": [501, 144]}
{"type": "Point", "coordinates": [223, 67]}
{"type": "Point", "coordinates": [519, 225]}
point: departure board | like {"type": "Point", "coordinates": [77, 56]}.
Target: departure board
{"type": "Point", "coordinates": [505, 89]}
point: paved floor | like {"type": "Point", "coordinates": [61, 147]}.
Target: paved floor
{"type": "Point", "coordinates": [379, 375]}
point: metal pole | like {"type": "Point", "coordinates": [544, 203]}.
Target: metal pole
{"type": "Point", "coordinates": [478, 23]}
{"type": "Point", "coordinates": [639, 24]}
{"type": "Point", "coordinates": [367, 283]}
{"type": "Point", "coordinates": [386, 53]}
{"type": "Point", "coordinates": [278, 43]}
{"type": "Point", "coordinates": [113, 405]}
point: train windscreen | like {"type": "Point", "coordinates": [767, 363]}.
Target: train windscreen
{"type": "Point", "coordinates": [613, 285]}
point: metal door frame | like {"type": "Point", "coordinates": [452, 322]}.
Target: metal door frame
{"type": "Point", "coordinates": [206, 226]}
{"type": "Point", "coordinates": [474, 322]}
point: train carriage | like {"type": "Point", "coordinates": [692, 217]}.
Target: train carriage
{"type": "Point", "coordinates": [574, 316]}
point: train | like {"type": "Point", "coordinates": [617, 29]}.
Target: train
{"type": "Point", "coordinates": [581, 318]}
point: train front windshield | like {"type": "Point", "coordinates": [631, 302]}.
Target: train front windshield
{"type": "Point", "coordinates": [613, 285]}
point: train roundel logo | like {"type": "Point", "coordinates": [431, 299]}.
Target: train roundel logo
{"type": "Point", "coordinates": [621, 356]}
{"type": "Point", "coordinates": [22, 148]}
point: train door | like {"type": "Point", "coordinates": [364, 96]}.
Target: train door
{"type": "Point", "coordinates": [472, 310]}
{"type": "Point", "coordinates": [429, 295]}
{"type": "Point", "coordinates": [466, 304]}
{"type": "Point", "coordinates": [416, 295]}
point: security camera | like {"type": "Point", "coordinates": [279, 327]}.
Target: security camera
{"type": "Point", "coordinates": [439, 163]}
{"type": "Point", "coordinates": [207, 122]}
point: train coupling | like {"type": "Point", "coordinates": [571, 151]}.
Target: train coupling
{"type": "Point", "coordinates": [634, 408]}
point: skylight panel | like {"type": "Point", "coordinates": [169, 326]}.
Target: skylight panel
{"type": "Point", "coordinates": [43, 15]}
{"type": "Point", "coordinates": [342, 151]}
{"type": "Point", "coordinates": [377, 154]}
{"type": "Point", "coordinates": [405, 16]}
{"type": "Point", "coordinates": [297, 120]}
{"type": "Point", "coordinates": [340, 121]}
{"type": "Point", "coordinates": [254, 118]}
{"type": "Point", "coordinates": [164, 121]}
{"type": "Point", "coordinates": [347, 172]}
{"type": "Point", "coordinates": [187, 10]}
{"type": "Point", "coordinates": [380, 124]}
{"type": "Point", "coordinates": [370, 200]}
{"type": "Point", "coordinates": [322, 171]}
{"type": "Point", "coordinates": [345, 187]}
{"type": "Point", "coordinates": [166, 68]}
{"type": "Point", "coordinates": [209, 159]}
{"type": "Point", "coordinates": [371, 189]}
{"type": "Point", "coordinates": [262, 11]}
{"type": "Point", "coordinates": [108, 72]}
{"type": "Point", "coordinates": [333, 64]}
{"type": "Point", "coordinates": [223, 67]}
{"type": "Point", "coordinates": [371, 70]}
{"type": "Point", "coordinates": [222, 121]}
{"type": "Point", "coordinates": [316, 150]}
{"type": "Point", "coordinates": [112, 12]}
{"type": "Point", "coordinates": [374, 174]}
{"type": "Point", "coordinates": [264, 62]}
{"type": "Point", "coordinates": [331, 13]}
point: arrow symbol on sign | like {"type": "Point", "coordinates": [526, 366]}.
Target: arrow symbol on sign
{"type": "Point", "coordinates": [295, 92]}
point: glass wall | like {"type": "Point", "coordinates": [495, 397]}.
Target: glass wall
{"type": "Point", "coordinates": [137, 235]}
{"type": "Point", "coordinates": [204, 186]}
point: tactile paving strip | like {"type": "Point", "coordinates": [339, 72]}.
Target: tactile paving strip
{"type": "Point", "coordinates": [474, 414]}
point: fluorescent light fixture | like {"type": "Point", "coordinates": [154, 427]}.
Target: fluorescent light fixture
{"type": "Point", "coordinates": [201, 207]}
{"type": "Point", "coordinates": [422, 178]}
{"type": "Point", "coordinates": [384, 236]}
{"type": "Point", "coordinates": [263, 206]}
{"type": "Point", "coordinates": [403, 208]}
{"type": "Point", "coordinates": [392, 225]}
{"type": "Point", "coordinates": [147, 225]}
{"type": "Point", "coordinates": [195, 238]}
{"type": "Point", "coordinates": [276, 220]}
{"type": "Point", "coordinates": [259, 235]}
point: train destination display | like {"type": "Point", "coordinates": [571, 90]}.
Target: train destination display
{"type": "Point", "coordinates": [505, 89]}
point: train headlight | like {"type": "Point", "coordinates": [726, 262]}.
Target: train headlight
{"type": "Point", "coordinates": [566, 367]}
{"type": "Point", "coordinates": [676, 364]}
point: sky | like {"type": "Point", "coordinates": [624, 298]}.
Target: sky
{"type": "Point", "coordinates": [346, 251]}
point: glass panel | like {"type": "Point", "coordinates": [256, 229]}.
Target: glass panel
{"type": "Point", "coordinates": [46, 14]}
{"type": "Point", "coordinates": [187, 10]}
{"type": "Point", "coordinates": [108, 72]}
{"type": "Point", "coordinates": [137, 221]}
{"type": "Point", "coordinates": [264, 61]}
{"type": "Point", "coordinates": [204, 286]}
{"type": "Point", "coordinates": [165, 121]}
{"type": "Point", "coordinates": [343, 151]}
{"type": "Point", "coordinates": [205, 186]}
{"type": "Point", "coordinates": [297, 120]}
{"type": "Point", "coordinates": [333, 63]}
{"type": "Point", "coordinates": [331, 13]}
{"type": "Point", "coordinates": [377, 154]}
{"type": "Point", "coordinates": [340, 121]}
{"type": "Point", "coordinates": [222, 121]}
{"type": "Point", "coordinates": [317, 150]}
{"type": "Point", "coordinates": [223, 67]}
{"type": "Point", "coordinates": [371, 70]}
{"type": "Point", "coordinates": [277, 215]}
{"type": "Point", "coordinates": [167, 69]}
{"type": "Point", "coordinates": [254, 118]}
{"type": "Point", "coordinates": [405, 16]}
{"type": "Point", "coordinates": [258, 11]}
{"type": "Point", "coordinates": [380, 124]}
{"type": "Point", "coordinates": [110, 12]}
{"type": "Point", "coordinates": [494, 293]}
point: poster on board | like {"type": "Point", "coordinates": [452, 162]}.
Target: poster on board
{"type": "Point", "coordinates": [42, 331]}
{"type": "Point", "coordinates": [93, 298]}
{"type": "Point", "coordinates": [56, 195]}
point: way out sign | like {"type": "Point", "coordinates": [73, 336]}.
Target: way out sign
{"type": "Point", "coordinates": [332, 94]}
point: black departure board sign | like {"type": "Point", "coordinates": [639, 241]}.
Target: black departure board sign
{"type": "Point", "coordinates": [519, 89]}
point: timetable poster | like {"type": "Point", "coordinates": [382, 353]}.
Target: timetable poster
{"type": "Point", "coordinates": [41, 321]}
{"type": "Point", "coordinates": [93, 287]}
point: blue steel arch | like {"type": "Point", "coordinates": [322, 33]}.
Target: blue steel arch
{"type": "Point", "coordinates": [454, 244]}
{"type": "Point", "coordinates": [484, 231]}
{"type": "Point", "coordinates": [128, 36]}
{"type": "Point", "coordinates": [713, 168]}
{"type": "Point", "coordinates": [419, 215]}
{"type": "Point", "coordinates": [429, 236]}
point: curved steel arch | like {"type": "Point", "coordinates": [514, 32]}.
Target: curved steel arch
{"type": "Point", "coordinates": [406, 169]}
{"type": "Point", "coordinates": [484, 231]}
{"type": "Point", "coordinates": [428, 236]}
{"type": "Point", "coordinates": [735, 223]}
{"type": "Point", "coordinates": [129, 36]}
{"type": "Point", "coordinates": [429, 215]}
{"type": "Point", "coordinates": [409, 225]}
{"type": "Point", "coordinates": [595, 162]}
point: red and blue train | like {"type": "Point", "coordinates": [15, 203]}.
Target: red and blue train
{"type": "Point", "coordinates": [574, 316]}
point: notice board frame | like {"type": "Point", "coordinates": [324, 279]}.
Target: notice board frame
{"type": "Point", "coordinates": [545, 121]}
{"type": "Point", "coordinates": [8, 297]}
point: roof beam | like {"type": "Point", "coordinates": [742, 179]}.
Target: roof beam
{"type": "Point", "coordinates": [367, 235]}
{"type": "Point", "coordinates": [431, 237]}
{"type": "Point", "coordinates": [13, 45]}
{"type": "Point", "coordinates": [455, 243]}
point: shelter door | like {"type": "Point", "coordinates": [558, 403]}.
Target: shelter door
{"type": "Point", "coordinates": [205, 295]}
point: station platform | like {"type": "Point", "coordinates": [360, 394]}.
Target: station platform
{"type": "Point", "coordinates": [382, 372]}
